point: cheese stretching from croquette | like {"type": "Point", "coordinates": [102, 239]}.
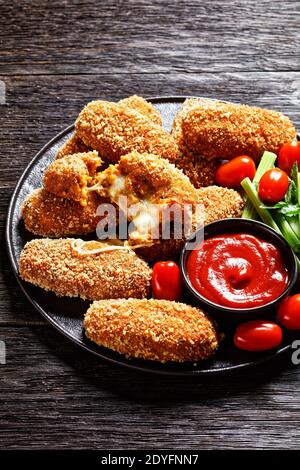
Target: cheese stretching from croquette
{"type": "Point", "coordinates": [151, 185]}
{"type": "Point", "coordinates": [115, 130]}
{"type": "Point", "coordinates": [156, 330]}
{"type": "Point", "coordinates": [56, 265]}
{"type": "Point", "coordinates": [215, 129]}
{"type": "Point", "coordinates": [217, 203]}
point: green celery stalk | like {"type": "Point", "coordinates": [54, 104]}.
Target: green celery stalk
{"type": "Point", "coordinates": [264, 214]}
{"type": "Point", "coordinates": [288, 233]}
{"type": "Point", "coordinates": [266, 163]}
{"type": "Point", "coordinates": [282, 226]}
{"type": "Point", "coordinates": [298, 187]}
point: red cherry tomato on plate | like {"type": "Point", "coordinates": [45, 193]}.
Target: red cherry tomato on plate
{"type": "Point", "coordinates": [273, 185]}
{"type": "Point", "coordinates": [289, 312]}
{"type": "Point", "coordinates": [231, 174]}
{"type": "Point", "coordinates": [166, 281]}
{"type": "Point", "coordinates": [257, 335]}
{"type": "Point", "coordinates": [288, 155]}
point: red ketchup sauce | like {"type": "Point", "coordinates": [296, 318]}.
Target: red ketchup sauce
{"type": "Point", "coordinates": [237, 270]}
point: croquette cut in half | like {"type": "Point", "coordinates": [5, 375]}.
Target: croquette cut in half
{"type": "Point", "coordinates": [48, 215]}
{"type": "Point", "coordinates": [215, 129]}
{"type": "Point", "coordinates": [74, 268]}
{"type": "Point", "coordinates": [156, 330]}
{"type": "Point", "coordinates": [70, 176]}
{"type": "Point", "coordinates": [151, 185]}
{"type": "Point", "coordinates": [115, 130]}
{"type": "Point", "coordinates": [217, 203]}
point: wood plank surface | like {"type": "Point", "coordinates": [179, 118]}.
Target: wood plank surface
{"type": "Point", "coordinates": [54, 57]}
{"type": "Point", "coordinates": [142, 36]}
{"type": "Point", "coordinates": [54, 395]}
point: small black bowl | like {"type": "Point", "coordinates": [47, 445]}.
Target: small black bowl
{"type": "Point", "coordinates": [259, 229]}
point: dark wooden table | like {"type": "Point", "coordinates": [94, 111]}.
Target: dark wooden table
{"type": "Point", "coordinates": [54, 57]}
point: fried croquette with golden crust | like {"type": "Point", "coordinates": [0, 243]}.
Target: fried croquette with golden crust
{"type": "Point", "coordinates": [72, 146]}
{"type": "Point", "coordinates": [218, 203]}
{"type": "Point", "coordinates": [215, 129]}
{"type": "Point", "coordinates": [147, 176]}
{"type": "Point", "coordinates": [150, 184]}
{"type": "Point", "coordinates": [47, 215]}
{"type": "Point", "coordinates": [155, 330]}
{"type": "Point", "coordinates": [75, 144]}
{"type": "Point", "coordinates": [200, 170]}
{"type": "Point", "coordinates": [56, 265]}
{"type": "Point", "coordinates": [115, 130]}
{"type": "Point", "coordinates": [143, 107]}
{"type": "Point", "coordinates": [70, 176]}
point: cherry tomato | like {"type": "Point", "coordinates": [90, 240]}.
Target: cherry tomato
{"type": "Point", "coordinates": [289, 312]}
{"type": "Point", "coordinates": [166, 281]}
{"type": "Point", "coordinates": [273, 185]}
{"type": "Point", "coordinates": [231, 174]}
{"type": "Point", "coordinates": [257, 335]}
{"type": "Point", "coordinates": [288, 155]}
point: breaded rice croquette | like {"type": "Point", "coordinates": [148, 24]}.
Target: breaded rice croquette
{"type": "Point", "coordinates": [200, 170]}
{"type": "Point", "coordinates": [115, 130]}
{"type": "Point", "coordinates": [218, 203]}
{"type": "Point", "coordinates": [70, 176]}
{"type": "Point", "coordinates": [155, 330]}
{"type": "Point", "coordinates": [151, 184]}
{"type": "Point", "coordinates": [57, 266]}
{"type": "Point", "coordinates": [215, 129]}
{"type": "Point", "coordinates": [72, 146]}
{"type": "Point", "coordinates": [47, 215]}
{"type": "Point", "coordinates": [142, 106]}
{"type": "Point", "coordinates": [146, 176]}
{"type": "Point", "coordinates": [75, 144]}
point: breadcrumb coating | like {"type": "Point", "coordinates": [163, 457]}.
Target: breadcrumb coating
{"type": "Point", "coordinates": [200, 170]}
{"type": "Point", "coordinates": [149, 176]}
{"type": "Point", "coordinates": [55, 266]}
{"type": "Point", "coordinates": [155, 330]}
{"type": "Point", "coordinates": [143, 107]}
{"type": "Point", "coordinates": [215, 129]}
{"type": "Point", "coordinates": [47, 215]}
{"type": "Point", "coordinates": [72, 146]}
{"type": "Point", "coordinates": [218, 203]}
{"type": "Point", "coordinates": [114, 130]}
{"type": "Point", "coordinates": [70, 176]}
{"type": "Point", "coordinates": [75, 143]}
{"type": "Point", "coordinates": [151, 185]}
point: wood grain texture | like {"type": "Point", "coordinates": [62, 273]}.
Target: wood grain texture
{"type": "Point", "coordinates": [54, 396]}
{"type": "Point", "coordinates": [38, 107]}
{"type": "Point", "coordinates": [54, 57]}
{"type": "Point", "coordinates": [141, 36]}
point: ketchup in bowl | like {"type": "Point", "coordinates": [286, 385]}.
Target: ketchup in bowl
{"type": "Point", "coordinates": [237, 270]}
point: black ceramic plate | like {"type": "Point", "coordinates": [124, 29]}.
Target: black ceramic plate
{"type": "Point", "coordinates": [66, 314]}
